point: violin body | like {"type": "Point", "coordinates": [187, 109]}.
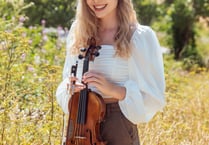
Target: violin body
{"type": "Point", "coordinates": [86, 108]}
{"type": "Point", "coordinates": [88, 132]}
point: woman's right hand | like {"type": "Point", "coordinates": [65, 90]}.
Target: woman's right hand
{"type": "Point", "coordinates": [75, 85]}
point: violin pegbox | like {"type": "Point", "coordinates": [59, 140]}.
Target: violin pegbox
{"type": "Point", "coordinates": [91, 52]}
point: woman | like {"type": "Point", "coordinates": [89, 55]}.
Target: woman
{"type": "Point", "coordinates": [128, 73]}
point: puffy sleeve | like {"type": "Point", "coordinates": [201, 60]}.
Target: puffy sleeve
{"type": "Point", "coordinates": [146, 85]}
{"type": "Point", "coordinates": [62, 95]}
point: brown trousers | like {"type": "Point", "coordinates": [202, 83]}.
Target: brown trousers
{"type": "Point", "coordinates": [116, 129]}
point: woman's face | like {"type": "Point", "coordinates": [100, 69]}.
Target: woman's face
{"type": "Point", "coordinates": [103, 8]}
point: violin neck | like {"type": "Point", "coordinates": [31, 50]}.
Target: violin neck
{"type": "Point", "coordinates": [83, 99]}
{"type": "Point", "coordinates": [85, 65]}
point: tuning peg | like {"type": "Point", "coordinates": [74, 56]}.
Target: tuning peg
{"type": "Point", "coordinates": [96, 54]}
{"type": "Point", "coordinates": [83, 49]}
{"type": "Point", "coordinates": [99, 47]}
{"type": "Point", "coordinates": [80, 56]}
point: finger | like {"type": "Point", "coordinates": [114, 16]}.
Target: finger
{"type": "Point", "coordinates": [89, 79]}
{"type": "Point", "coordinates": [92, 77]}
{"type": "Point", "coordinates": [94, 82]}
{"type": "Point", "coordinates": [78, 88]}
{"type": "Point", "coordinates": [79, 84]}
{"type": "Point", "coordinates": [73, 79]}
{"type": "Point", "coordinates": [92, 73]}
{"type": "Point", "coordinates": [97, 85]}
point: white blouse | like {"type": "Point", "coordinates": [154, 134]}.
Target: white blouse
{"type": "Point", "coordinates": [142, 74]}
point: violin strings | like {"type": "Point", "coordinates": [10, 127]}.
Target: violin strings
{"type": "Point", "coordinates": [80, 127]}
{"type": "Point", "coordinates": [80, 115]}
{"type": "Point", "coordinates": [79, 119]}
{"type": "Point", "coordinates": [70, 110]}
{"type": "Point", "coordinates": [80, 133]}
{"type": "Point", "coordinates": [83, 110]}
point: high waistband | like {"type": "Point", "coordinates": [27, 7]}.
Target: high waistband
{"type": "Point", "coordinates": [110, 100]}
{"type": "Point", "coordinates": [112, 107]}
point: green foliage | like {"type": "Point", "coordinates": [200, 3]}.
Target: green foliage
{"type": "Point", "coordinates": [201, 8]}
{"type": "Point", "coordinates": [30, 70]}
{"type": "Point", "coordinates": [54, 12]}
{"type": "Point", "coordinates": [184, 16]}
{"type": "Point", "coordinates": [12, 48]}
{"type": "Point", "coordinates": [11, 9]}
{"type": "Point", "coordinates": [146, 10]}
{"type": "Point", "coordinates": [178, 18]}
{"type": "Point", "coordinates": [182, 28]}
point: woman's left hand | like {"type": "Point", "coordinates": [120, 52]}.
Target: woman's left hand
{"type": "Point", "coordinates": [103, 85]}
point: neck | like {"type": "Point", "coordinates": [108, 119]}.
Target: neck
{"type": "Point", "coordinates": [109, 23]}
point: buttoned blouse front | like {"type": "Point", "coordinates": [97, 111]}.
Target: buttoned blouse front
{"type": "Point", "coordinates": [142, 75]}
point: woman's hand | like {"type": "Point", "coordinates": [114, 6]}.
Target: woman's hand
{"type": "Point", "coordinates": [75, 85]}
{"type": "Point", "coordinates": [103, 85]}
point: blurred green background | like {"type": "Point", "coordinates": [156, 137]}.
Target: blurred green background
{"type": "Point", "coordinates": [32, 53]}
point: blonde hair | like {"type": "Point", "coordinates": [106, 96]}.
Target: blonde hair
{"type": "Point", "coordinates": [86, 26]}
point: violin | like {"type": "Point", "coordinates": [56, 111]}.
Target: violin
{"type": "Point", "coordinates": [86, 108]}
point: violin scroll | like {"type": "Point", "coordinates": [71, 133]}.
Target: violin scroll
{"type": "Point", "coordinates": [91, 52]}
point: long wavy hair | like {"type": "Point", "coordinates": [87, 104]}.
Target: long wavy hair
{"type": "Point", "coordinates": [86, 25]}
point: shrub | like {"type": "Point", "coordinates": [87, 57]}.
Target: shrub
{"type": "Point", "coordinates": [55, 12]}
{"type": "Point", "coordinates": [146, 10]}
{"type": "Point", "coordinates": [30, 72]}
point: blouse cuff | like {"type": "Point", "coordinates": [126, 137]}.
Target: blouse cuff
{"type": "Point", "coordinates": [62, 95]}
{"type": "Point", "coordinates": [132, 106]}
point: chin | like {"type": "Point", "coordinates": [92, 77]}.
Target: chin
{"type": "Point", "coordinates": [100, 16]}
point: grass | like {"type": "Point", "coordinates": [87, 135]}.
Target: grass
{"type": "Point", "coordinates": [185, 119]}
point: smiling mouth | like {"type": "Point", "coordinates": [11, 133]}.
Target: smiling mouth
{"type": "Point", "coordinates": [100, 7]}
